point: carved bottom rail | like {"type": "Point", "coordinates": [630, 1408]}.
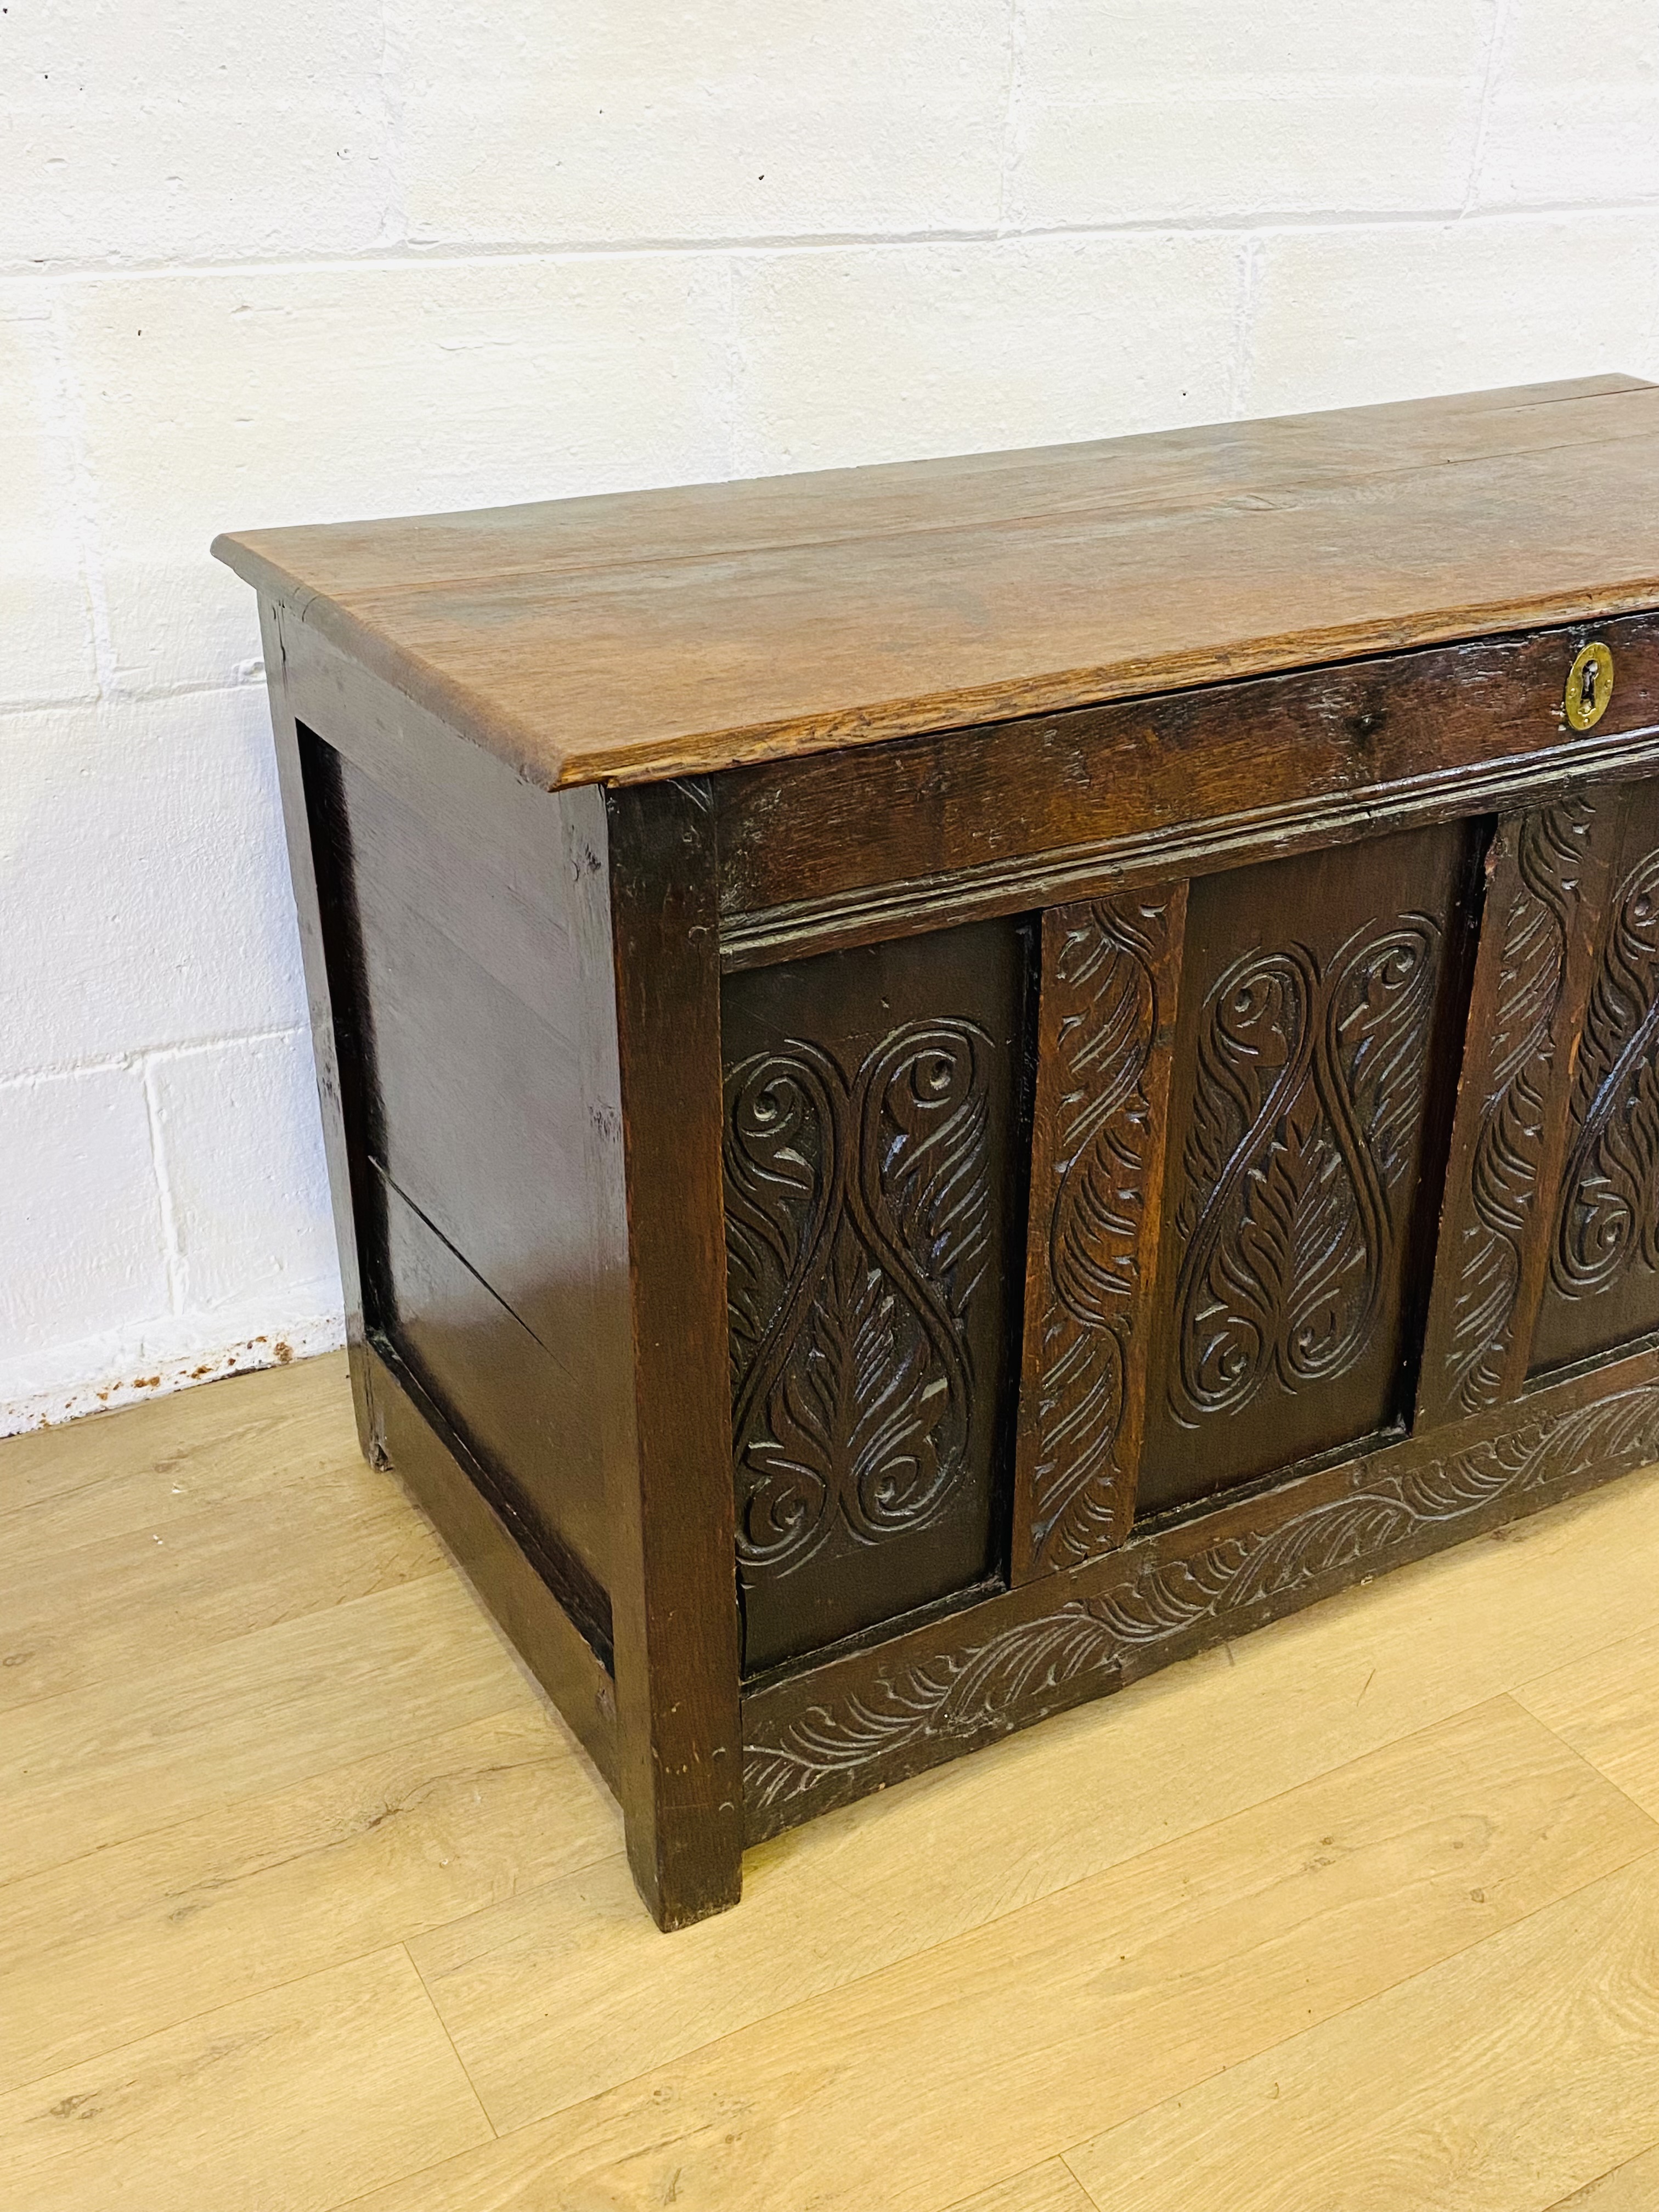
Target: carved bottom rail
{"type": "Point", "coordinates": [821, 1738]}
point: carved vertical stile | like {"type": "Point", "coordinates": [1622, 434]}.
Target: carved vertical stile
{"type": "Point", "coordinates": [1547, 881]}
{"type": "Point", "coordinates": [1600, 1264]}
{"type": "Point", "coordinates": [1608, 1217]}
{"type": "Point", "coordinates": [1106, 1016]}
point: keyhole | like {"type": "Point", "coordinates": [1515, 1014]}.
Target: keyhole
{"type": "Point", "coordinates": [1589, 687]}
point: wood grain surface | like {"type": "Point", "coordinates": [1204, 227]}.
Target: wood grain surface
{"type": "Point", "coordinates": [1554, 2023]}
{"type": "Point", "coordinates": [265, 1889]}
{"type": "Point", "coordinates": [169, 1460]}
{"type": "Point", "coordinates": [1015, 815]}
{"type": "Point", "coordinates": [1020, 1981]}
{"type": "Point", "coordinates": [1339, 1858]}
{"type": "Point", "coordinates": [648, 635]}
{"type": "Point", "coordinates": [1602, 1704]}
{"type": "Point", "coordinates": [679, 1764]}
{"type": "Point", "coordinates": [1110, 1996]}
{"type": "Point", "coordinates": [847, 1895]}
{"type": "Point", "coordinates": [198, 2114]}
{"type": "Point", "coordinates": [1050, 2187]}
{"type": "Point", "coordinates": [161, 1744]}
{"type": "Point", "coordinates": [1632, 2186]}
{"type": "Point", "coordinates": [291, 1551]}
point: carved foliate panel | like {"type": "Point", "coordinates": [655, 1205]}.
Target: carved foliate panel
{"type": "Point", "coordinates": [1600, 1284]}
{"type": "Point", "coordinates": [1110, 971]}
{"type": "Point", "coordinates": [1547, 881]}
{"type": "Point", "coordinates": [857, 1206]}
{"type": "Point", "coordinates": [870, 1180]}
{"type": "Point", "coordinates": [1310, 1078]}
{"type": "Point", "coordinates": [1316, 1047]}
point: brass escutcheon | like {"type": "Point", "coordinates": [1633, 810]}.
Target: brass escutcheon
{"type": "Point", "coordinates": [1590, 686]}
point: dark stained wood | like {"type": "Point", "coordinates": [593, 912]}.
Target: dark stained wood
{"type": "Point", "coordinates": [1601, 1284]}
{"type": "Point", "coordinates": [1111, 972]}
{"type": "Point", "coordinates": [682, 632]}
{"type": "Point", "coordinates": [464, 1001]}
{"type": "Point", "coordinates": [1547, 884]}
{"type": "Point", "coordinates": [347, 1170]}
{"type": "Point", "coordinates": [499, 1389]}
{"type": "Point", "coordinates": [1322, 998]}
{"type": "Point", "coordinates": [411, 1436]}
{"type": "Point", "coordinates": [477, 801]}
{"type": "Point", "coordinates": [467, 1005]}
{"type": "Point", "coordinates": [873, 1149]}
{"type": "Point", "coordinates": [833, 1733]}
{"type": "Point", "coordinates": [851, 845]}
{"type": "Point", "coordinates": [673, 1592]}
{"type": "Point", "coordinates": [474, 1006]}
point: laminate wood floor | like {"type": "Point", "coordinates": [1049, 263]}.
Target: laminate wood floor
{"type": "Point", "coordinates": [308, 1901]}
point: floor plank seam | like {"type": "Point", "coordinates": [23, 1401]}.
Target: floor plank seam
{"type": "Point", "coordinates": [1631, 1635]}
{"type": "Point", "coordinates": [1065, 2158]}
{"type": "Point", "coordinates": [10, 1515]}
{"type": "Point", "coordinates": [392, 1744]}
{"type": "Point", "coordinates": [1650, 1850]}
{"type": "Point", "coordinates": [1584, 1758]}
{"type": "Point", "coordinates": [348, 1467]}
{"type": "Point", "coordinates": [1536, 1806]}
{"type": "Point", "coordinates": [263, 1989]}
{"type": "Point", "coordinates": [1580, 2193]}
{"type": "Point", "coordinates": [1375, 1996]}
{"type": "Point", "coordinates": [611, 1857]}
{"type": "Point", "coordinates": [118, 1674]}
{"type": "Point", "coordinates": [443, 2028]}
{"type": "Point", "coordinates": [166, 2026]}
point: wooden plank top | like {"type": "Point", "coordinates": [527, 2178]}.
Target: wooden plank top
{"type": "Point", "coordinates": [643, 634]}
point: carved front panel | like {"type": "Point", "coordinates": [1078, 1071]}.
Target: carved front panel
{"type": "Point", "coordinates": [1602, 1278]}
{"type": "Point", "coordinates": [870, 1190]}
{"type": "Point", "coordinates": [1110, 977]}
{"type": "Point", "coordinates": [1315, 1051]}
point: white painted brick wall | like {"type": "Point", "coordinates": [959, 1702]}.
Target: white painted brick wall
{"type": "Point", "coordinates": [338, 258]}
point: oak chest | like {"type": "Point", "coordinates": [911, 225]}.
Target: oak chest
{"type": "Point", "coordinates": [945, 1083]}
